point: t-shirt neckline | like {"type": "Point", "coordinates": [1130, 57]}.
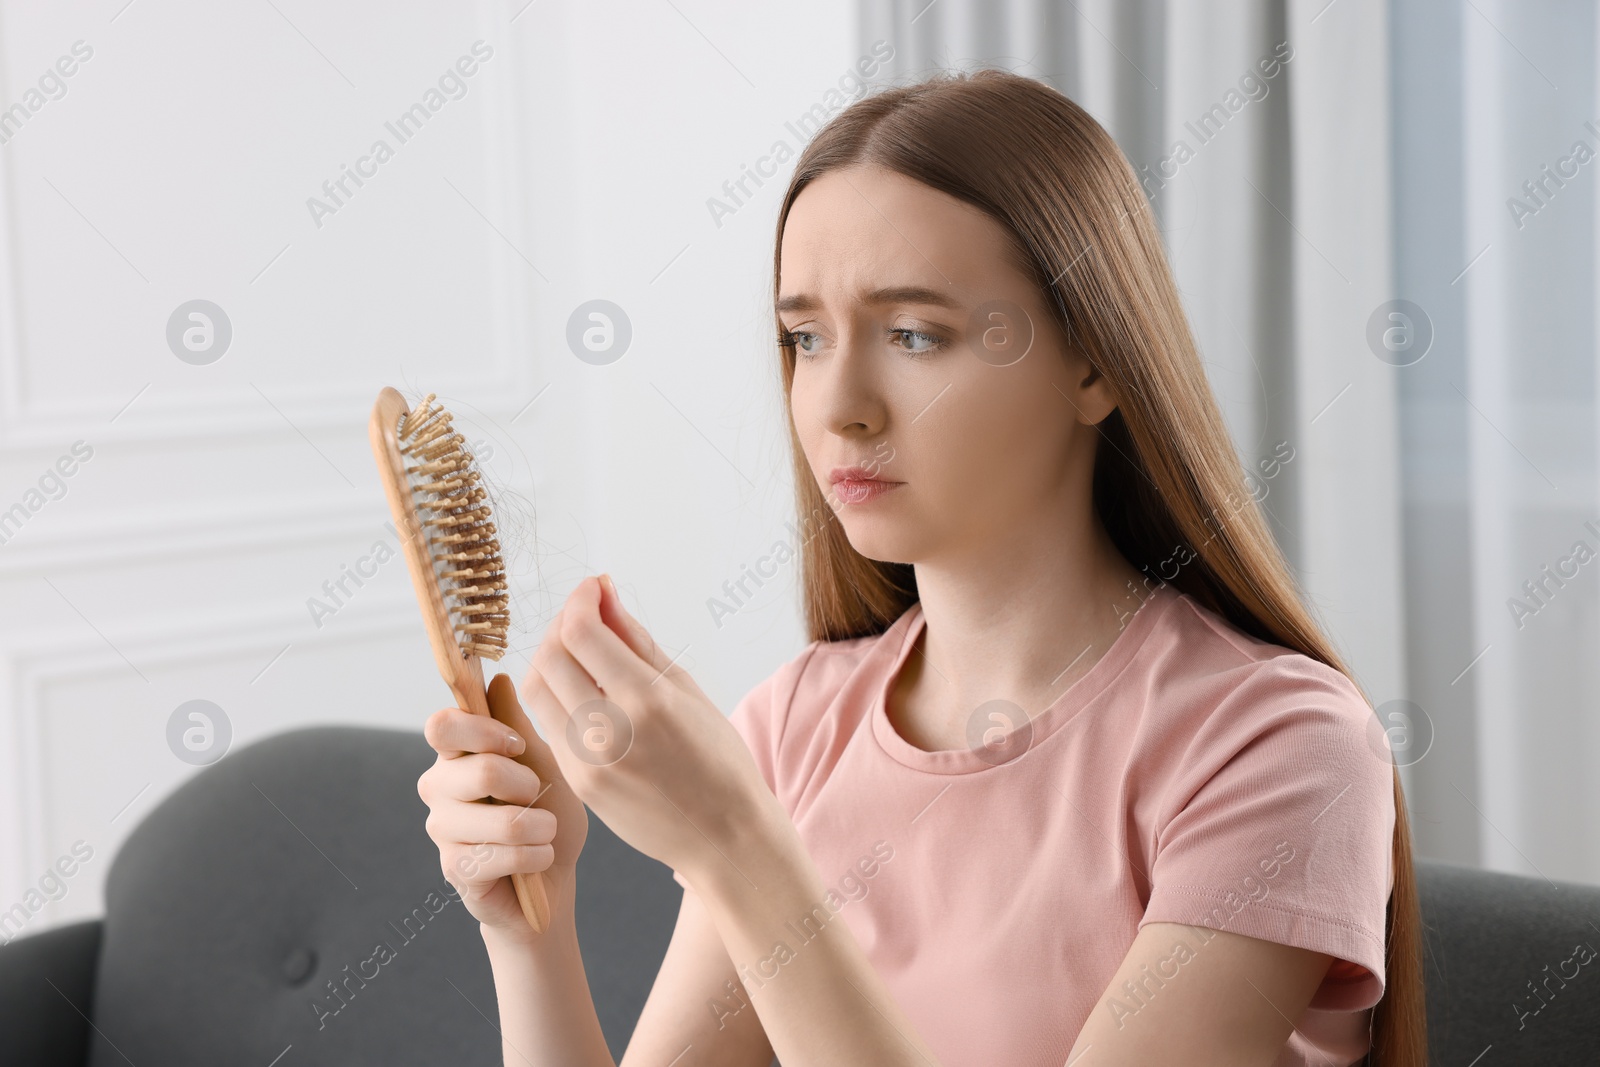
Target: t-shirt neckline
{"type": "Point", "coordinates": [1060, 712]}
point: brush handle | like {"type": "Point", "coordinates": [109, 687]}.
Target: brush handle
{"type": "Point", "coordinates": [467, 685]}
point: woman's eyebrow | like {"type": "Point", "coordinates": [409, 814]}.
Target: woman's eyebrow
{"type": "Point", "coordinates": [900, 294]}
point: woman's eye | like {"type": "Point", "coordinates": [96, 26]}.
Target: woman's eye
{"type": "Point", "coordinates": [804, 341]}
{"type": "Point", "coordinates": [917, 342]}
{"type": "Point", "coordinates": [808, 343]}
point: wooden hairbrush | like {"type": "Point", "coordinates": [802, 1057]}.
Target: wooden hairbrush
{"type": "Point", "coordinates": [442, 514]}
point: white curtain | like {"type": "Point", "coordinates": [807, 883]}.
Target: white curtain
{"type": "Point", "coordinates": [1362, 295]}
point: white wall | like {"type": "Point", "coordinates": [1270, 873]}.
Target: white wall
{"type": "Point", "coordinates": [176, 563]}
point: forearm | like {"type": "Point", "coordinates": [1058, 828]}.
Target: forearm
{"type": "Point", "coordinates": [547, 1016]}
{"type": "Point", "coordinates": [818, 998]}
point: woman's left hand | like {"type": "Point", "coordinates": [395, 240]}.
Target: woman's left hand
{"type": "Point", "coordinates": [638, 741]}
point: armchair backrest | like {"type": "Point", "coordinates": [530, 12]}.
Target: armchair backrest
{"type": "Point", "coordinates": [289, 896]}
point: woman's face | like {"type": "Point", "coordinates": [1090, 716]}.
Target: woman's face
{"type": "Point", "coordinates": [924, 355]}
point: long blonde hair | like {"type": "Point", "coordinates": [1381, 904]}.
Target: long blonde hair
{"type": "Point", "coordinates": [1165, 469]}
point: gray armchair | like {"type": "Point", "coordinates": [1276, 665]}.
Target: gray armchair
{"type": "Point", "coordinates": [287, 902]}
{"type": "Point", "coordinates": [285, 907]}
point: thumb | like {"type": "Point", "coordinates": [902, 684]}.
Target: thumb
{"type": "Point", "coordinates": [507, 709]}
{"type": "Point", "coordinates": [555, 795]}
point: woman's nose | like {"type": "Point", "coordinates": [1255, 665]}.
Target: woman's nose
{"type": "Point", "coordinates": [852, 395]}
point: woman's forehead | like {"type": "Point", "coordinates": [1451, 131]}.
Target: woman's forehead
{"type": "Point", "coordinates": [863, 232]}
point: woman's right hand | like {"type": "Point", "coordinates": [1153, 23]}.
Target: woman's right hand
{"type": "Point", "coordinates": [540, 828]}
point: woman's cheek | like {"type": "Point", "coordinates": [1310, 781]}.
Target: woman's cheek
{"type": "Point", "coordinates": [956, 467]}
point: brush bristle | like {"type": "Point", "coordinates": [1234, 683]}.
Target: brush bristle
{"type": "Point", "coordinates": [454, 510]}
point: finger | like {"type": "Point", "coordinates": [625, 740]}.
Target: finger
{"type": "Point", "coordinates": [628, 628]}
{"type": "Point", "coordinates": [489, 863]}
{"type": "Point", "coordinates": [454, 732]}
{"type": "Point", "coordinates": [561, 674]}
{"type": "Point", "coordinates": [538, 701]}
{"type": "Point", "coordinates": [552, 715]}
{"type": "Point", "coordinates": [506, 709]}
{"type": "Point", "coordinates": [596, 648]}
{"type": "Point", "coordinates": [496, 824]}
{"type": "Point", "coordinates": [639, 639]}
{"type": "Point", "coordinates": [483, 774]}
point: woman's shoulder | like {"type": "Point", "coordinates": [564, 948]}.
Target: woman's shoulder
{"type": "Point", "coordinates": [813, 680]}
{"type": "Point", "coordinates": [825, 661]}
{"type": "Point", "coordinates": [1214, 641]}
{"type": "Point", "coordinates": [807, 681]}
{"type": "Point", "coordinates": [1237, 683]}
{"type": "Point", "coordinates": [1247, 738]}
{"type": "Point", "coordinates": [796, 716]}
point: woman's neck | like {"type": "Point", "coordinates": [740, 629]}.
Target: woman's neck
{"type": "Point", "coordinates": [1011, 624]}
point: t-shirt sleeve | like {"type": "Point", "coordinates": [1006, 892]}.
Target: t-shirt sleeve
{"type": "Point", "coordinates": [1280, 825]}
{"type": "Point", "coordinates": [759, 719]}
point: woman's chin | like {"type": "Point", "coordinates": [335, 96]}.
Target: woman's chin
{"type": "Point", "coordinates": [883, 546]}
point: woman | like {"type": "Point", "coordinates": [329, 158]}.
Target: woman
{"type": "Point", "coordinates": [1066, 752]}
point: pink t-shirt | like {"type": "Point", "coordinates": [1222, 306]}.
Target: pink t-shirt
{"type": "Point", "coordinates": [1195, 775]}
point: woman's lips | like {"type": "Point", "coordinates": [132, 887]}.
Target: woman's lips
{"type": "Point", "coordinates": [861, 490]}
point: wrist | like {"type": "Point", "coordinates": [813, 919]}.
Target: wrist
{"type": "Point", "coordinates": [504, 944]}
{"type": "Point", "coordinates": [760, 851]}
